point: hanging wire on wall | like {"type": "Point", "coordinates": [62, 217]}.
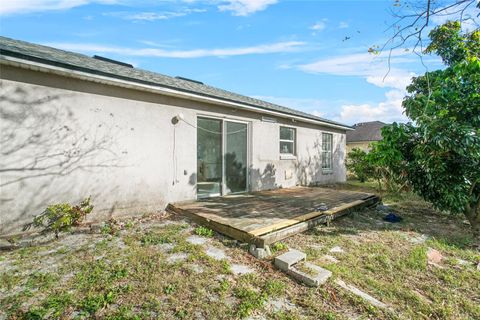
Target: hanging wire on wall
{"type": "Point", "coordinates": [174, 156]}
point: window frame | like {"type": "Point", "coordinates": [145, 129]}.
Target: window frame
{"type": "Point", "coordinates": [293, 142]}
{"type": "Point", "coordinates": [327, 153]}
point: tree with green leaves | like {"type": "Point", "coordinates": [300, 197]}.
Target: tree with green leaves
{"type": "Point", "coordinates": [439, 151]}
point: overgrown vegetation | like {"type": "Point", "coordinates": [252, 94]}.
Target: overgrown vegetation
{"type": "Point", "coordinates": [438, 154]}
{"type": "Point", "coordinates": [130, 275]}
{"type": "Point", "coordinates": [381, 164]}
{"type": "Point", "coordinates": [61, 217]}
{"type": "Point", "coordinates": [389, 260]}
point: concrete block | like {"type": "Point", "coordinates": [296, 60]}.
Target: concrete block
{"type": "Point", "coordinates": [259, 253]}
{"type": "Point", "coordinates": [314, 277]}
{"type": "Point", "coordinates": [286, 260]}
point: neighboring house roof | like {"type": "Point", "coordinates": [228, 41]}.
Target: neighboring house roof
{"type": "Point", "coordinates": [366, 131]}
{"type": "Point", "coordinates": [105, 67]}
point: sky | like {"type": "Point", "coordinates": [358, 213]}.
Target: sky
{"type": "Point", "coordinates": [308, 55]}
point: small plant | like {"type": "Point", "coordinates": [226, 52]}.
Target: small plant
{"type": "Point", "coordinates": [110, 228]}
{"type": "Point", "coordinates": [224, 285]}
{"type": "Point", "coordinates": [170, 289]}
{"type": "Point", "coordinates": [204, 231]}
{"type": "Point", "coordinates": [94, 302]}
{"type": "Point", "coordinates": [278, 246]}
{"type": "Point", "coordinates": [181, 314]}
{"type": "Point", "coordinates": [61, 217]}
{"type": "Point", "coordinates": [226, 267]}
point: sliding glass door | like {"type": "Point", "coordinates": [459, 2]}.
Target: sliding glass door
{"type": "Point", "coordinates": [235, 157]}
{"type": "Point", "coordinates": [221, 157]}
{"type": "Point", "coordinates": [209, 157]}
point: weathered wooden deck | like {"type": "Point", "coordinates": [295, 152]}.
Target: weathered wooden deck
{"type": "Point", "coordinates": [269, 216]}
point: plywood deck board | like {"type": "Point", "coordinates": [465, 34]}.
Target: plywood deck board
{"type": "Point", "coordinates": [259, 213]}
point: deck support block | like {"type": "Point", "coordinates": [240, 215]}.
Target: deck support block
{"type": "Point", "coordinates": [260, 253]}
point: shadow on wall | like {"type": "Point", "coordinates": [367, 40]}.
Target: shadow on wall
{"type": "Point", "coordinates": [263, 179]}
{"type": "Point", "coordinates": [41, 141]}
{"type": "Point", "coordinates": [309, 168]}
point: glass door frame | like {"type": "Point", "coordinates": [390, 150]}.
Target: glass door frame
{"type": "Point", "coordinates": [224, 148]}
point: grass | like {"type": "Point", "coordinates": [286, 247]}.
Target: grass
{"type": "Point", "coordinates": [122, 272]}
{"type": "Point", "coordinates": [126, 275]}
{"type": "Point", "coordinates": [389, 261]}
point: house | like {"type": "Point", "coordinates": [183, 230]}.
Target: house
{"type": "Point", "coordinates": [364, 134]}
{"type": "Point", "coordinates": [75, 126]}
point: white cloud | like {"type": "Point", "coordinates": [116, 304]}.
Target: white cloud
{"type": "Point", "coordinates": [387, 111]}
{"type": "Point", "coordinates": [245, 7]}
{"type": "Point", "coordinates": [319, 26]}
{"type": "Point", "coordinates": [27, 6]}
{"type": "Point", "coordinates": [194, 53]}
{"type": "Point", "coordinates": [343, 25]}
{"type": "Point", "coordinates": [237, 7]}
{"type": "Point", "coordinates": [371, 67]}
{"type": "Point", "coordinates": [153, 16]}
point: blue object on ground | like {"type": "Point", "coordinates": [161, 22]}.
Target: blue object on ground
{"type": "Point", "coordinates": [391, 217]}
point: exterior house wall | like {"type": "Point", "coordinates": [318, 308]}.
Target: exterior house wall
{"type": "Point", "coordinates": [65, 139]}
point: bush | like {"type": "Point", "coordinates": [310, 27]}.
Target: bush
{"type": "Point", "coordinates": [61, 217]}
{"type": "Point", "coordinates": [358, 163]}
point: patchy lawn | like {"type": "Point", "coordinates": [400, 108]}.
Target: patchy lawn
{"type": "Point", "coordinates": [166, 268]}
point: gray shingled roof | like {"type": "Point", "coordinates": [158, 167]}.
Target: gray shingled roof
{"type": "Point", "coordinates": [366, 131]}
{"type": "Point", "coordinates": [80, 62]}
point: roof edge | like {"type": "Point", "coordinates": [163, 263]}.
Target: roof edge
{"type": "Point", "coordinates": [27, 62]}
{"type": "Point", "coordinates": [31, 58]}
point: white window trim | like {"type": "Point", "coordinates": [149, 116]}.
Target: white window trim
{"type": "Point", "coordinates": [288, 156]}
{"type": "Point", "coordinates": [330, 152]}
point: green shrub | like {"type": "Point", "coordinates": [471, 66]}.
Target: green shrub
{"type": "Point", "coordinates": [359, 164]}
{"type": "Point", "coordinates": [61, 217]}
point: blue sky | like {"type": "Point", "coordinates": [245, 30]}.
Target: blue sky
{"type": "Point", "coordinates": [309, 55]}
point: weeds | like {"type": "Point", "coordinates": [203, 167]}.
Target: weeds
{"type": "Point", "coordinates": [169, 289]}
{"type": "Point", "coordinates": [61, 217]}
{"type": "Point", "coordinates": [204, 231]}
{"type": "Point", "coordinates": [278, 246]}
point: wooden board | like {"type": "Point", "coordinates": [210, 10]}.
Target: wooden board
{"type": "Point", "coordinates": [308, 216]}
{"type": "Point", "coordinates": [281, 234]}
{"type": "Point", "coordinates": [252, 216]}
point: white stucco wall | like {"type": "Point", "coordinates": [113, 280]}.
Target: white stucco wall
{"type": "Point", "coordinates": [65, 139]}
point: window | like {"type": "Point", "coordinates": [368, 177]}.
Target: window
{"type": "Point", "coordinates": [327, 145]}
{"type": "Point", "coordinates": [287, 140]}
